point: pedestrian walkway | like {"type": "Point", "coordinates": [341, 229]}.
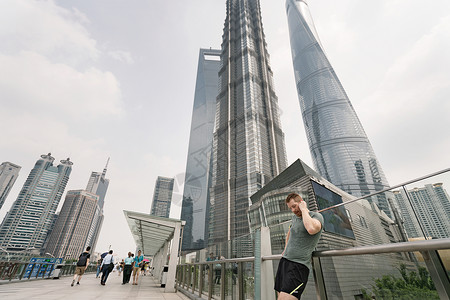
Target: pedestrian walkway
{"type": "Point", "coordinates": [89, 288]}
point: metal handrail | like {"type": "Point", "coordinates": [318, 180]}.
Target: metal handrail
{"type": "Point", "coordinates": [438, 244]}
{"type": "Point", "coordinates": [387, 189]}
{"type": "Point", "coordinates": [228, 260]}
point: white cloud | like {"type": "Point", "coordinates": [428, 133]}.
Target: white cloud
{"type": "Point", "coordinates": [122, 56]}
{"type": "Point", "coordinates": [45, 28]}
{"type": "Point", "coordinates": [29, 81]}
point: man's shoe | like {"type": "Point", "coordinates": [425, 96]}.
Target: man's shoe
{"type": "Point", "coordinates": [78, 283]}
{"type": "Point", "coordinates": [73, 282]}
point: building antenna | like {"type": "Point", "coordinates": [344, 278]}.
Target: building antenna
{"type": "Point", "coordinates": [106, 167]}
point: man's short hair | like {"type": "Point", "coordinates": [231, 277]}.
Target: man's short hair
{"type": "Point", "coordinates": [293, 196]}
{"type": "Point", "coordinates": [88, 248]}
{"type": "Point", "coordinates": [110, 252]}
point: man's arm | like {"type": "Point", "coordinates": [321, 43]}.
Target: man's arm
{"type": "Point", "coordinates": [313, 226]}
{"type": "Point", "coordinates": [87, 263]}
{"type": "Point", "coordinates": [287, 240]}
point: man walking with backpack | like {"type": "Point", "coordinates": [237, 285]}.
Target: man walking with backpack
{"type": "Point", "coordinates": [82, 264]}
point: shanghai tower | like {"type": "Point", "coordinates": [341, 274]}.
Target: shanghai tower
{"type": "Point", "coordinates": [339, 147]}
{"type": "Point", "coordinates": [248, 143]}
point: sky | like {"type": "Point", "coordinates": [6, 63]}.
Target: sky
{"type": "Point", "coordinates": [107, 78]}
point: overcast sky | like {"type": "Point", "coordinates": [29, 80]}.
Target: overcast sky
{"type": "Point", "coordinates": [107, 78]}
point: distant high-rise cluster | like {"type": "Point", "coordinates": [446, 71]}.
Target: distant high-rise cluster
{"type": "Point", "coordinates": [80, 219]}
{"type": "Point", "coordinates": [162, 196]}
{"type": "Point", "coordinates": [431, 205]}
{"type": "Point", "coordinates": [33, 225]}
{"type": "Point", "coordinates": [29, 221]}
{"type": "Point", "coordinates": [8, 175]}
{"type": "Point", "coordinates": [339, 147]}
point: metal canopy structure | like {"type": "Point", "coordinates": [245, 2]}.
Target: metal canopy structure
{"type": "Point", "coordinates": [150, 232]}
{"type": "Point", "coordinates": [152, 236]}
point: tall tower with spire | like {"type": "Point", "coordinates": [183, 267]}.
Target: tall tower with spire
{"type": "Point", "coordinates": [248, 145]}
{"type": "Point", "coordinates": [339, 147]}
{"type": "Point", "coordinates": [30, 219]}
{"type": "Point", "coordinates": [97, 185]}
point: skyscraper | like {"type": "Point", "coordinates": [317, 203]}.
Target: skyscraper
{"type": "Point", "coordinates": [97, 185]}
{"type": "Point", "coordinates": [196, 203]}
{"type": "Point", "coordinates": [28, 222]}
{"type": "Point", "coordinates": [339, 147]}
{"type": "Point", "coordinates": [248, 142]}
{"type": "Point", "coordinates": [162, 196]}
{"type": "Point", "coordinates": [432, 206]}
{"type": "Point", "coordinates": [8, 175]}
{"type": "Point", "coordinates": [70, 236]}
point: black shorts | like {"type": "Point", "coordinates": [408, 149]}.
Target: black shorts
{"type": "Point", "coordinates": [291, 277]}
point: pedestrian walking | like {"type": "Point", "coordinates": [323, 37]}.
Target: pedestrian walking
{"type": "Point", "coordinates": [99, 265]}
{"type": "Point", "coordinates": [128, 265]}
{"type": "Point", "coordinates": [301, 239]}
{"type": "Point", "coordinates": [82, 264]}
{"type": "Point", "coordinates": [138, 261]}
{"type": "Point", "coordinates": [107, 267]}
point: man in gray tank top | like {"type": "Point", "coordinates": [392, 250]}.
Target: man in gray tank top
{"type": "Point", "coordinates": [301, 240]}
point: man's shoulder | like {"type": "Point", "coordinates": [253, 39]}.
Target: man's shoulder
{"type": "Point", "coordinates": [316, 215]}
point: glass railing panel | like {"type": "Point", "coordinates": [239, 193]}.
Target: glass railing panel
{"type": "Point", "coordinates": [431, 203]}
{"type": "Point", "coordinates": [383, 276]}
{"type": "Point", "coordinates": [248, 280]}
{"type": "Point", "coordinates": [217, 278]}
{"type": "Point", "coordinates": [231, 289]}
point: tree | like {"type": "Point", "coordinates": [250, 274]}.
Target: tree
{"type": "Point", "coordinates": [410, 286]}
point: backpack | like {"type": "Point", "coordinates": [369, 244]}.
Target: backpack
{"type": "Point", "coordinates": [82, 260]}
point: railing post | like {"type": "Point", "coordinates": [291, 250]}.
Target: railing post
{"type": "Point", "coordinates": [241, 280]}
{"type": "Point", "coordinates": [267, 281]}
{"type": "Point", "coordinates": [318, 279]}
{"type": "Point", "coordinates": [437, 273]}
{"type": "Point", "coordinates": [210, 281]}
{"type": "Point", "coordinates": [201, 270]}
{"type": "Point", "coordinates": [223, 282]}
{"type": "Point", "coordinates": [194, 278]}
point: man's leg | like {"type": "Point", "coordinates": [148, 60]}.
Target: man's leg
{"type": "Point", "coordinates": [106, 275]}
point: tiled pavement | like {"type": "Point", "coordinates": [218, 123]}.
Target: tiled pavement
{"type": "Point", "coordinates": [89, 288]}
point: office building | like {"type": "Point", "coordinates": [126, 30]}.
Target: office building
{"type": "Point", "coordinates": [248, 145]}
{"type": "Point", "coordinates": [31, 216]}
{"type": "Point", "coordinates": [8, 175]}
{"type": "Point", "coordinates": [69, 236]}
{"type": "Point", "coordinates": [430, 207]}
{"type": "Point", "coordinates": [339, 147]}
{"type": "Point", "coordinates": [97, 185]}
{"type": "Point", "coordinates": [162, 196]}
{"type": "Point", "coordinates": [198, 176]}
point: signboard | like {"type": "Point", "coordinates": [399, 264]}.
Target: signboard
{"type": "Point", "coordinates": [41, 266]}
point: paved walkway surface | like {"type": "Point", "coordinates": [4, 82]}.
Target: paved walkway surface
{"type": "Point", "coordinates": [89, 288]}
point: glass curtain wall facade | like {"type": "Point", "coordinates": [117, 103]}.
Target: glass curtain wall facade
{"type": "Point", "coordinates": [162, 197]}
{"type": "Point", "coordinates": [69, 237]}
{"type": "Point", "coordinates": [339, 147]}
{"type": "Point", "coordinates": [432, 206]}
{"type": "Point", "coordinates": [196, 203]}
{"type": "Point", "coordinates": [8, 176]}
{"type": "Point", "coordinates": [248, 144]}
{"type": "Point", "coordinates": [30, 219]}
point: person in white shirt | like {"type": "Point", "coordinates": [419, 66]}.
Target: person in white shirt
{"type": "Point", "coordinates": [107, 266]}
